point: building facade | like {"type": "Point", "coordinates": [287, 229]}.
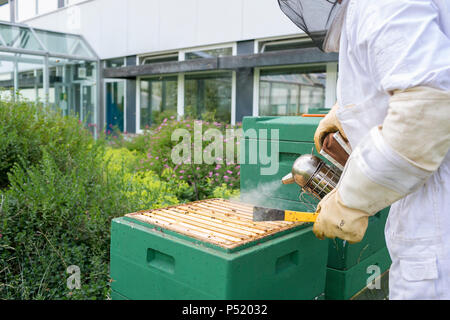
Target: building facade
{"type": "Point", "coordinates": [202, 58]}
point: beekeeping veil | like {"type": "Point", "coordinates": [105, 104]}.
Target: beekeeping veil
{"type": "Point", "coordinates": [322, 20]}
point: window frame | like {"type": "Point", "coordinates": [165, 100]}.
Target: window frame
{"type": "Point", "coordinates": [233, 46]}
{"type": "Point", "coordinates": [181, 79]}
{"type": "Point", "coordinates": [125, 106]}
{"type": "Point", "coordinates": [138, 97]}
{"type": "Point", "coordinates": [278, 39]}
{"type": "Point", "coordinates": [330, 87]}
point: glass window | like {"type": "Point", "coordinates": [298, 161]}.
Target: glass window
{"type": "Point", "coordinates": [19, 37]}
{"type": "Point", "coordinates": [6, 75]}
{"type": "Point", "coordinates": [115, 105]}
{"type": "Point", "coordinates": [208, 96]}
{"type": "Point", "coordinates": [72, 82]}
{"type": "Point", "coordinates": [290, 92]}
{"type": "Point", "coordinates": [286, 44]}
{"type": "Point", "coordinates": [61, 43]}
{"type": "Point", "coordinates": [158, 100]}
{"type": "Point", "coordinates": [73, 88]}
{"type": "Point", "coordinates": [5, 13]}
{"type": "Point", "coordinates": [115, 63]}
{"type": "Point", "coordinates": [30, 77]}
{"type": "Point", "coordinates": [69, 2]}
{"type": "Point", "coordinates": [160, 58]}
{"type": "Point", "coordinates": [29, 71]}
{"type": "Point", "coordinates": [211, 53]}
{"type": "Point", "coordinates": [45, 6]}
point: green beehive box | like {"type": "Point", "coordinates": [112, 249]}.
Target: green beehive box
{"type": "Point", "coordinates": [344, 285]}
{"type": "Point", "coordinates": [296, 137]}
{"type": "Point", "coordinates": [150, 261]}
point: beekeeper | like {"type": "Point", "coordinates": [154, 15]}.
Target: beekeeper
{"type": "Point", "coordinates": [394, 107]}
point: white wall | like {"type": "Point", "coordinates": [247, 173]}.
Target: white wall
{"type": "Point", "coordinates": [127, 27]}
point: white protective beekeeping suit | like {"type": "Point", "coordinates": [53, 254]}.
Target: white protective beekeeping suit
{"type": "Point", "coordinates": [386, 46]}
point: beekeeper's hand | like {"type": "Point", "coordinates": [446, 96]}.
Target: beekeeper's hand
{"type": "Point", "coordinates": [329, 124]}
{"type": "Point", "coordinates": [336, 220]}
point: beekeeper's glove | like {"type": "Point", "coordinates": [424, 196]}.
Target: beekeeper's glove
{"type": "Point", "coordinates": [337, 220]}
{"type": "Point", "coordinates": [391, 162]}
{"type": "Point", "coordinates": [329, 124]}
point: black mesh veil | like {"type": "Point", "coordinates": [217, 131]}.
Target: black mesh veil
{"type": "Point", "coordinates": [312, 16]}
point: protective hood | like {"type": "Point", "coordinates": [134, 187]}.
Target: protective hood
{"type": "Point", "coordinates": [317, 19]}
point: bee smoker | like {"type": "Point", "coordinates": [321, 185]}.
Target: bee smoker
{"type": "Point", "coordinates": [314, 176]}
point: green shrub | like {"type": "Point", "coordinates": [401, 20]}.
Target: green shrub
{"type": "Point", "coordinates": [59, 190]}
{"type": "Point", "coordinates": [225, 192]}
{"type": "Point", "coordinates": [26, 128]}
{"type": "Point", "coordinates": [203, 178]}
{"type": "Point", "coordinates": [57, 208]}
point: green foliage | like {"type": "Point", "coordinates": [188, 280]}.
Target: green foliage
{"type": "Point", "coordinates": [60, 188]}
{"type": "Point", "coordinates": [203, 178]}
{"type": "Point", "coordinates": [57, 208]}
{"type": "Point", "coordinates": [25, 129]}
{"type": "Point", "coordinates": [225, 192]}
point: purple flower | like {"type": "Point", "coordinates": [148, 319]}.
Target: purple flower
{"type": "Point", "coordinates": [210, 174]}
{"type": "Point", "coordinates": [181, 177]}
{"type": "Point", "coordinates": [181, 171]}
{"type": "Point", "coordinates": [226, 177]}
{"type": "Point", "coordinates": [229, 171]}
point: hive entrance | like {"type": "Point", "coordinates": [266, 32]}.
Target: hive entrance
{"type": "Point", "coordinates": [225, 223]}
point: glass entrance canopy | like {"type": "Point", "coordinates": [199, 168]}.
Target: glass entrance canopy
{"type": "Point", "coordinates": [55, 69]}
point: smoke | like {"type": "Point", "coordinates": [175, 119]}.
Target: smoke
{"type": "Point", "coordinates": [260, 194]}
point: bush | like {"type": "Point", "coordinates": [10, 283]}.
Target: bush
{"type": "Point", "coordinates": [25, 129]}
{"type": "Point", "coordinates": [203, 178]}
{"type": "Point", "coordinates": [60, 199]}
{"type": "Point", "coordinates": [60, 188]}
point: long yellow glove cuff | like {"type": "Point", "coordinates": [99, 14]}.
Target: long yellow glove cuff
{"type": "Point", "coordinates": [337, 220]}
{"type": "Point", "coordinates": [329, 124]}
{"type": "Point", "coordinates": [395, 160]}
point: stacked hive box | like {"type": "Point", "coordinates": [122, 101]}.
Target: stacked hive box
{"type": "Point", "coordinates": [213, 250]}
{"type": "Point", "coordinates": [347, 266]}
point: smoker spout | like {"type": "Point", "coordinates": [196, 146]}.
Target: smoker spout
{"type": "Point", "coordinates": [288, 179]}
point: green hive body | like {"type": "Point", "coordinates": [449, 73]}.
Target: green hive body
{"type": "Point", "coordinates": [347, 263]}
{"type": "Point", "coordinates": [148, 262]}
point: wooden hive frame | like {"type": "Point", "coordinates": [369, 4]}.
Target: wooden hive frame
{"type": "Point", "coordinates": [227, 224]}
